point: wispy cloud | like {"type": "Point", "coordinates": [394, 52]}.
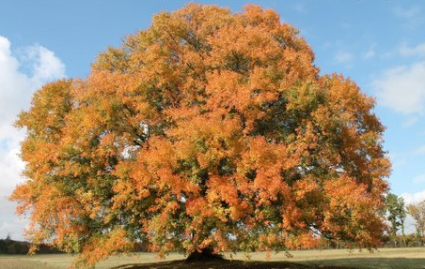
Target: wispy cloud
{"type": "Point", "coordinates": [20, 76]}
{"type": "Point", "coordinates": [411, 121]}
{"type": "Point", "coordinates": [300, 7]}
{"type": "Point", "coordinates": [370, 53]}
{"type": "Point", "coordinates": [419, 179]}
{"type": "Point", "coordinates": [418, 50]}
{"type": "Point", "coordinates": [402, 89]}
{"type": "Point", "coordinates": [343, 57]}
{"type": "Point", "coordinates": [420, 150]}
{"type": "Point", "coordinates": [412, 16]}
{"type": "Point", "coordinates": [407, 12]}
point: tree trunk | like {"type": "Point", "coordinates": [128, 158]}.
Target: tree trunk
{"type": "Point", "coordinates": [205, 254]}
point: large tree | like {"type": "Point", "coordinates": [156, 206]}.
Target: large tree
{"type": "Point", "coordinates": [208, 130]}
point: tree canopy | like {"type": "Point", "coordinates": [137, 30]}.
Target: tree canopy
{"type": "Point", "coordinates": [417, 211]}
{"type": "Point", "coordinates": [208, 130]}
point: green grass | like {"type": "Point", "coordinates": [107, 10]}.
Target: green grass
{"type": "Point", "coordinates": [400, 258]}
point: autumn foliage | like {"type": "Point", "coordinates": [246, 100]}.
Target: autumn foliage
{"type": "Point", "coordinates": [206, 130]}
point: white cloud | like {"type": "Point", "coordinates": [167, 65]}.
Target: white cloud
{"type": "Point", "coordinates": [418, 50]}
{"type": "Point", "coordinates": [20, 76]}
{"type": "Point", "coordinates": [45, 65]}
{"type": "Point", "coordinates": [10, 224]}
{"type": "Point", "coordinates": [413, 198]}
{"type": "Point", "coordinates": [13, 84]}
{"type": "Point", "coordinates": [402, 88]}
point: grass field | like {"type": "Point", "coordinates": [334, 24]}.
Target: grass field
{"type": "Point", "coordinates": [401, 258]}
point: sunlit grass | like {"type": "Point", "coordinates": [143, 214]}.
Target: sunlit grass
{"type": "Point", "coordinates": [19, 263]}
{"type": "Point", "coordinates": [388, 258]}
{"type": "Point", "coordinates": [62, 261]}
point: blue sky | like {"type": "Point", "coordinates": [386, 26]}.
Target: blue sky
{"type": "Point", "coordinates": [379, 44]}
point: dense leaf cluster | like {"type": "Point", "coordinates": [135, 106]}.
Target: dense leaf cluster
{"type": "Point", "coordinates": [206, 130]}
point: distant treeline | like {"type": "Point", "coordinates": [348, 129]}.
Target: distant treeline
{"type": "Point", "coordinates": [408, 240]}
{"type": "Point", "coordinates": [9, 246]}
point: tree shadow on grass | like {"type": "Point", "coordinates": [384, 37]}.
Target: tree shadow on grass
{"type": "Point", "coordinates": [347, 263]}
{"type": "Point", "coordinates": [224, 264]}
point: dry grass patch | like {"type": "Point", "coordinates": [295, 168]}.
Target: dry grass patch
{"type": "Point", "coordinates": [17, 263]}
{"type": "Point", "coordinates": [408, 258]}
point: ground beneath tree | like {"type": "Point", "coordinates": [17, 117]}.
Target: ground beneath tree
{"type": "Point", "coordinates": [224, 264]}
{"type": "Point", "coordinates": [205, 255]}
